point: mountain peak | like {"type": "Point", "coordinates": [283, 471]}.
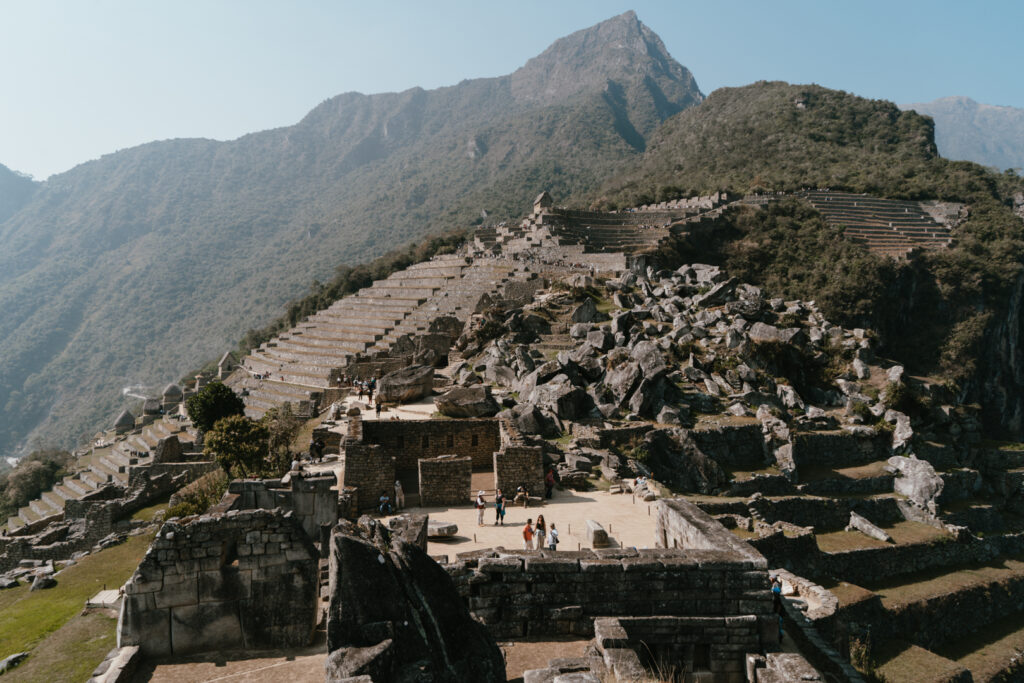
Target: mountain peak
{"type": "Point", "coordinates": [618, 49]}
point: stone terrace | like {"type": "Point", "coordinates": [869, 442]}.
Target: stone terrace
{"type": "Point", "coordinates": [887, 226]}
{"type": "Point", "coordinates": [298, 365]}
{"type": "Point", "coordinates": [106, 465]}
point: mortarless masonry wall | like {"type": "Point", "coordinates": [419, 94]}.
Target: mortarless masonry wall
{"type": "Point", "coordinates": [239, 580]}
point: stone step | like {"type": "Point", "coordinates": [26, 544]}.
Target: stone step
{"type": "Point", "coordinates": [28, 515]}
{"type": "Point", "coordinates": [66, 492]}
{"type": "Point", "coordinates": [91, 478]}
{"type": "Point", "coordinates": [79, 485]}
{"type": "Point", "coordinates": [43, 508]}
{"type": "Point", "coordinates": [107, 474]}
{"type": "Point", "coordinates": [53, 499]}
{"type": "Point", "coordinates": [14, 523]}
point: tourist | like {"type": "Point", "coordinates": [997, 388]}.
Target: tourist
{"type": "Point", "coordinates": [539, 532]}
{"type": "Point", "coordinates": [552, 537]}
{"type": "Point", "coordinates": [481, 505]}
{"type": "Point", "coordinates": [776, 595]}
{"type": "Point", "coordinates": [385, 504]}
{"type": "Point", "coordinates": [378, 409]}
{"type": "Point", "coordinates": [522, 494]}
{"type": "Point", "coordinates": [549, 482]}
{"type": "Point", "coordinates": [528, 535]}
{"type": "Point", "coordinates": [399, 495]}
{"type": "Point", "coordinates": [499, 508]}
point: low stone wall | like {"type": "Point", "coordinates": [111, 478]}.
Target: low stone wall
{"type": "Point", "coordinates": [713, 648]}
{"type": "Point", "coordinates": [240, 580]}
{"type": "Point", "coordinates": [732, 445]}
{"type": "Point", "coordinates": [410, 440]}
{"type": "Point", "coordinates": [446, 480]}
{"type": "Point", "coordinates": [620, 436]}
{"type": "Point", "coordinates": [515, 465]}
{"type": "Point", "coordinates": [525, 593]}
{"type": "Point", "coordinates": [826, 514]}
{"type": "Point", "coordinates": [870, 565]}
{"type": "Point", "coordinates": [839, 449]}
{"type": "Point", "coordinates": [312, 498]}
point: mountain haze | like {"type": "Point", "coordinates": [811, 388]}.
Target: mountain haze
{"type": "Point", "coordinates": [970, 131]}
{"type": "Point", "coordinates": [133, 268]}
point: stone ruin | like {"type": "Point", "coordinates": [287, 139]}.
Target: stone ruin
{"type": "Point", "coordinates": [242, 580]}
{"type": "Point", "coordinates": [778, 459]}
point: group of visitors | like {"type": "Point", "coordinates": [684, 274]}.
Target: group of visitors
{"type": "Point", "coordinates": [366, 388]}
{"type": "Point", "coordinates": [534, 535]}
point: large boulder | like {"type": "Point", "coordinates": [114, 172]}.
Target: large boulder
{"type": "Point", "coordinates": [563, 398]}
{"type": "Point", "coordinates": [422, 631]}
{"type": "Point", "coordinates": [586, 312]}
{"type": "Point", "coordinates": [676, 459]}
{"type": "Point", "coordinates": [917, 480]}
{"type": "Point", "coordinates": [408, 384]}
{"type": "Point", "coordinates": [474, 401]}
{"type": "Point", "coordinates": [648, 355]}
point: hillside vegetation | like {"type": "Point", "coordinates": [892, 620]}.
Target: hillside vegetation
{"type": "Point", "coordinates": [954, 313]}
{"type": "Point", "coordinates": [128, 269]}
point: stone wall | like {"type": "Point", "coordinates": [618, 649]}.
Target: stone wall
{"type": "Point", "coordinates": [312, 498]}
{"type": "Point", "coordinates": [527, 593]}
{"type": "Point", "coordinates": [367, 469]}
{"type": "Point", "coordinates": [515, 465]}
{"type": "Point", "coordinates": [839, 449]}
{"type": "Point", "coordinates": [446, 480]}
{"type": "Point", "coordinates": [682, 525]}
{"type": "Point", "coordinates": [824, 514]}
{"type": "Point", "coordinates": [732, 445]}
{"type": "Point", "coordinates": [240, 580]}
{"type": "Point", "coordinates": [409, 440]}
{"type": "Point", "coordinates": [713, 648]}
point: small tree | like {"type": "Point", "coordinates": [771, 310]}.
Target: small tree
{"type": "Point", "coordinates": [283, 425]}
{"type": "Point", "coordinates": [239, 446]}
{"type": "Point", "coordinates": [212, 403]}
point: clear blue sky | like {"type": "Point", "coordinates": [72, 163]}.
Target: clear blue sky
{"type": "Point", "coordinates": [79, 79]}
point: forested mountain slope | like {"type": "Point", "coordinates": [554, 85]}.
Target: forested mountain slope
{"type": "Point", "coordinates": [134, 267]}
{"type": "Point", "coordinates": [955, 314]}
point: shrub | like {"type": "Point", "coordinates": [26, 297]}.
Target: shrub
{"type": "Point", "coordinates": [199, 496]}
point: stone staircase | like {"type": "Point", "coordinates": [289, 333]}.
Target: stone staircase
{"type": "Point", "coordinates": [97, 469]}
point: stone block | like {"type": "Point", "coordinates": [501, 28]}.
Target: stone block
{"type": "Point", "coordinates": [148, 628]}
{"type": "Point", "coordinates": [495, 565]}
{"type": "Point", "coordinates": [182, 590]}
{"type": "Point", "coordinates": [206, 628]}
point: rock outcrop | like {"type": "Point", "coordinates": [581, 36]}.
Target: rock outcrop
{"type": "Point", "coordinates": [415, 629]}
{"type": "Point", "coordinates": [408, 384]}
{"type": "Point", "coordinates": [475, 401]}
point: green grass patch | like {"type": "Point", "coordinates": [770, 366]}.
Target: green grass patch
{"type": "Point", "coordinates": [71, 653]}
{"type": "Point", "coordinates": [146, 514]}
{"type": "Point", "coordinates": [27, 618]}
